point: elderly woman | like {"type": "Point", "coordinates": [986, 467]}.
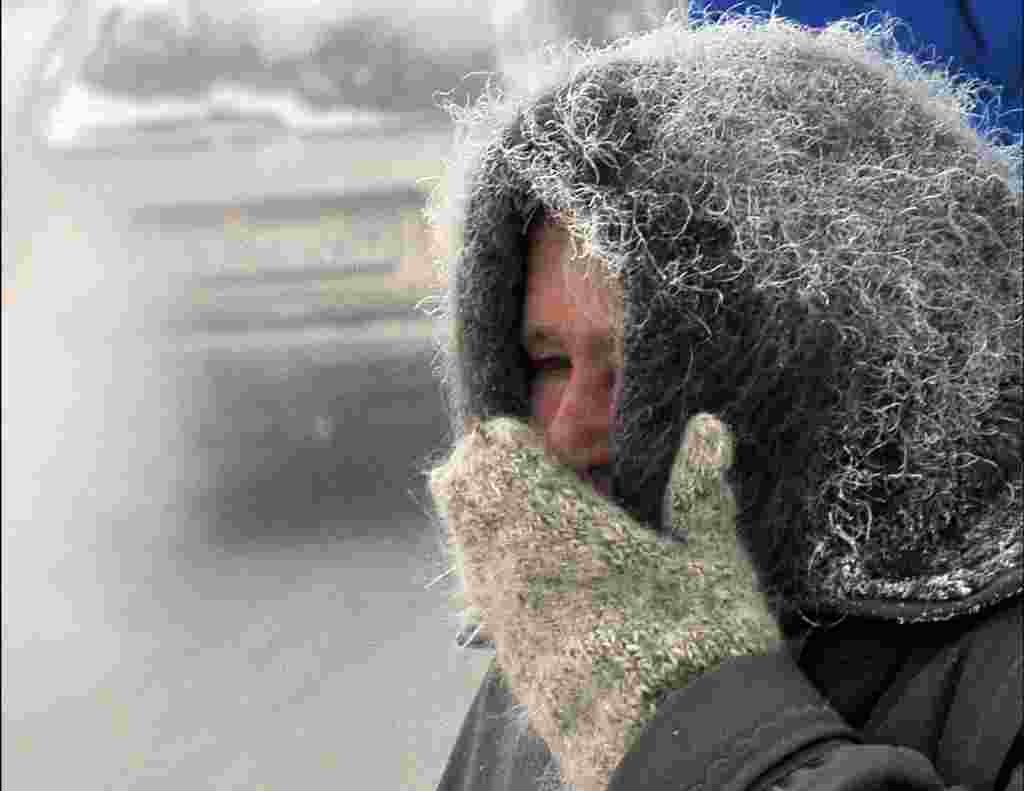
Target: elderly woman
{"type": "Point", "coordinates": [734, 373]}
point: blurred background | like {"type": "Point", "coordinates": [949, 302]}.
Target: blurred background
{"type": "Point", "coordinates": [217, 388]}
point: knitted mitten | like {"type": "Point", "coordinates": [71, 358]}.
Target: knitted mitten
{"type": "Point", "coordinates": [594, 617]}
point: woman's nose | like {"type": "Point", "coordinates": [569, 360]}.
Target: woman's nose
{"type": "Point", "coordinates": [580, 432]}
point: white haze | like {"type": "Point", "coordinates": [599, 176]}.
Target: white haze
{"type": "Point", "coordinates": [89, 462]}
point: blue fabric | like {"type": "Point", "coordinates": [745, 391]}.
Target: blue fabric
{"type": "Point", "coordinates": [981, 38]}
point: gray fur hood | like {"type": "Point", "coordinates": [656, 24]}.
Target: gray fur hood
{"type": "Point", "coordinates": [814, 245]}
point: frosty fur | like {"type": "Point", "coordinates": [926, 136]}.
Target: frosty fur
{"type": "Point", "coordinates": [594, 617]}
{"type": "Point", "coordinates": [814, 245]}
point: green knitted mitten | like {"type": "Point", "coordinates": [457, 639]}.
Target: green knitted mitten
{"type": "Point", "coordinates": [594, 617]}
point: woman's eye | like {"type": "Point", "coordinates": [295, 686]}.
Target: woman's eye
{"type": "Point", "coordinates": [550, 363]}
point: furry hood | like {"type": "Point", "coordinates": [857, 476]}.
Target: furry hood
{"type": "Point", "coordinates": [814, 245]}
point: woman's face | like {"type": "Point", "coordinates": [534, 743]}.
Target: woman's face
{"type": "Point", "coordinates": [570, 340]}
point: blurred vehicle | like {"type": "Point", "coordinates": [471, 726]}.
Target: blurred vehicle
{"type": "Point", "coordinates": [154, 71]}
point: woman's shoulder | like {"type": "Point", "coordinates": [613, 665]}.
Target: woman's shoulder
{"type": "Point", "coordinates": [951, 690]}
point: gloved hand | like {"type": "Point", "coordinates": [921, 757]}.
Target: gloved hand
{"type": "Point", "coordinates": [594, 617]}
